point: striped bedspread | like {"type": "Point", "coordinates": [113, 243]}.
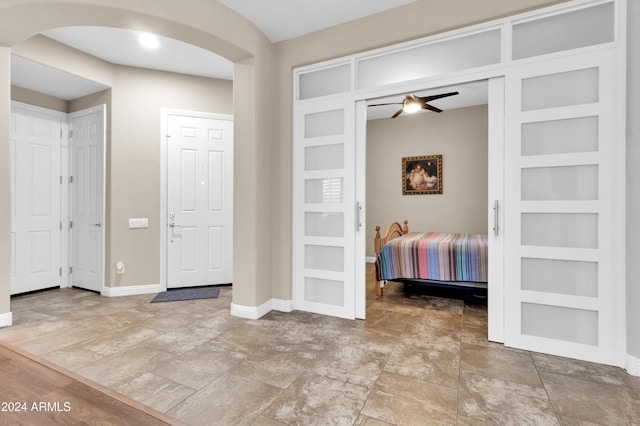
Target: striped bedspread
{"type": "Point", "coordinates": [434, 256]}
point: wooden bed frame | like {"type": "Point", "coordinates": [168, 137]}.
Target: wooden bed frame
{"type": "Point", "coordinates": [396, 230]}
{"type": "Point", "coordinates": [393, 231]}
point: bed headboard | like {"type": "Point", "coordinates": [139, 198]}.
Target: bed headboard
{"type": "Point", "coordinates": [394, 230]}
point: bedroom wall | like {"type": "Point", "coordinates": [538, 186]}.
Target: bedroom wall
{"type": "Point", "coordinates": [460, 136]}
{"type": "Point", "coordinates": [415, 20]}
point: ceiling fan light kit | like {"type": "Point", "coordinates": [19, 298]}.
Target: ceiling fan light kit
{"type": "Point", "coordinates": [413, 103]}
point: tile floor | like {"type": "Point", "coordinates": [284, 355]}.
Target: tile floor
{"type": "Point", "coordinates": [413, 361]}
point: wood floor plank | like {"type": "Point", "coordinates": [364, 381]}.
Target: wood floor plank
{"type": "Point", "coordinates": [36, 392]}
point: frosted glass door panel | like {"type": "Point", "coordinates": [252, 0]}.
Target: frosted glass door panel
{"type": "Point", "coordinates": [572, 230]}
{"type": "Point", "coordinates": [326, 258]}
{"type": "Point", "coordinates": [324, 182]}
{"type": "Point", "coordinates": [324, 157]}
{"type": "Point", "coordinates": [329, 190]}
{"type": "Point", "coordinates": [324, 225]}
{"type": "Point", "coordinates": [560, 136]}
{"type": "Point", "coordinates": [328, 81]}
{"type": "Point", "coordinates": [562, 89]}
{"type": "Point", "coordinates": [320, 124]}
{"type": "Point", "coordinates": [566, 324]}
{"type": "Point", "coordinates": [581, 28]}
{"type": "Point", "coordinates": [560, 276]}
{"type": "Point", "coordinates": [560, 183]}
{"type": "Point", "coordinates": [327, 292]}
{"type": "Point", "coordinates": [438, 58]}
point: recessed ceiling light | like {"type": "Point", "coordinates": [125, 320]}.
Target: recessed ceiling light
{"type": "Point", "coordinates": [148, 40]}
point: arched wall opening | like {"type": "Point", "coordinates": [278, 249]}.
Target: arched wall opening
{"type": "Point", "coordinates": [209, 26]}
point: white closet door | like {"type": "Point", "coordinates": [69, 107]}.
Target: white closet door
{"type": "Point", "coordinates": [560, 204]}
{"type": "Point", "coordinates": [35, 222]}
{"type": "Point", "coordinates": [325, 218]}
{"type": "Point", "coordinates": [88, 198]}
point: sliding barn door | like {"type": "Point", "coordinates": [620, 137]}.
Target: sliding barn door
{"type": "Point", "coordinates": [560, 202]}
{"type": "Point", "coordinates": [325, 211]}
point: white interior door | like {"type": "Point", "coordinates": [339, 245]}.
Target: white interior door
{"type": "Point", "coordinates": [87, 199]}
{"type": "Point", "coordinates": [561, 286]}
{"type": "Point", "coordinates": [35, 196]}
{"type": "Point", "coordinates": [325, 210]}
{"type": "Point", "coordinates": [199, 200]}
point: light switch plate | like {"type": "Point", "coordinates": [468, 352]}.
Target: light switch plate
{"type": "Point", "coordinates": [138, 222]}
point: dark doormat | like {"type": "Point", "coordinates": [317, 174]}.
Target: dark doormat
{"type": "Point", "coordinates": [187, 294]}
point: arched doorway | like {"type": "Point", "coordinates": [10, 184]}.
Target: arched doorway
{"type": "Point", "coordinates": [209, 26]}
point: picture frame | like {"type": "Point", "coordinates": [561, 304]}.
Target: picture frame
{"type": "Point", "coordinates": [422, 175]}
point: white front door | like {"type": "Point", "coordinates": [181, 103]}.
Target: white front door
{"type": "Point", "coordinates": [87, 199]}
{"type": "Point", "coordinates": [560, 206]}
{"type": "Point", "coordinates": [199, 200]}
{"type": "Point", "coordinates": [35, 191]}
{"type": "Point", "coordinates": [326, 214]}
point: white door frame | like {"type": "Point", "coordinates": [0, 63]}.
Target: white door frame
{"type": "Point", "coordinates": [495, 183]}
{"type": "Point", "coordinates": [164, 164]}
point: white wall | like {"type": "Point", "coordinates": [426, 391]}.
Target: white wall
{"type": "Point", "coordinates": [633, 181]}
{"type": "Point", "coordinates": [460, 136]}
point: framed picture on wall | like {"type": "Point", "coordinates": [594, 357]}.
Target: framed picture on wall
{"type": "Point", "coordinates": [422, 175]}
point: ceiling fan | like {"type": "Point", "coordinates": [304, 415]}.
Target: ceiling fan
{"type": "Point", "coordinates": [413, 103]}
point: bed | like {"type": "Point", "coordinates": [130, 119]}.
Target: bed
{"type": "Point", "coordinates": [431, 258]}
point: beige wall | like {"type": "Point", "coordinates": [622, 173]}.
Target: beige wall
{"type": "Point", "coordinates": [415, 20]}
{"type": "Point", "coordinates": [30, 97]}
{"type": "Point", "coordinates": [137, 98]}
{"type": "Point", "coordinates": [460, 136]}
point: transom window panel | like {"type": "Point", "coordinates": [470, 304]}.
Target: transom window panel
{"type": "Point", "coordinates": [327, 258]}
{"type": "Point", "coordinates": [324, 224]}
{"type": "Point", "coordinates": [558, 90]}
{"type": "Point", "coordinates": [560, 323]}
{"type": "Point", "coordinates": [320, 124]}
{"type": "Point", "coordinates": [576, 29]}
{"type": "Point", "coordinates": [560, 183]}
{"type": "Point", "coordinates": [437, 58]}
{"type": "Point", "coordinates": [572, 230]}
{"type": "Point", "coordinates": [577, 278]}
{"type": "Point", "coordinates": [328, 81]}
{"type": "Point", "coordinates": [564, 136]}
{"type": "Point", "coordinates": [327, 190]}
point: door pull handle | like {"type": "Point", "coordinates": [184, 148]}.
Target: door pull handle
{"type": "Point", "coordinates": [496, 228]}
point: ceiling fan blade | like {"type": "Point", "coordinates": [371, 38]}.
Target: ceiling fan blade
{"type": "Point", "coordinates": [431, 107]}
{"type": "Point", "coordinates": [434, 97]}
{"type": "Point", "coordinates": [392, 103]}
{"type": "Point", "coordinates": [397, 113]}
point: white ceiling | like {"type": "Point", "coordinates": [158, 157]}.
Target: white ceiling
{"type": "Point", "coordinates": [277, 19]}
{"type": "Point", "coordinates": [286, 19]}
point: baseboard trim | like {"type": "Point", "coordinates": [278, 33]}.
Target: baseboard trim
{"type": "Point", "coordinates": [133, 290]}
{"type": "Point", "coordinates": [633, 365]}
{"type": "Point", "coordinates": [251, 312]}
{"type": "Point", "coordinates": [6, 320]}
{"type": "Point", "coordinates": [281, 305]}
